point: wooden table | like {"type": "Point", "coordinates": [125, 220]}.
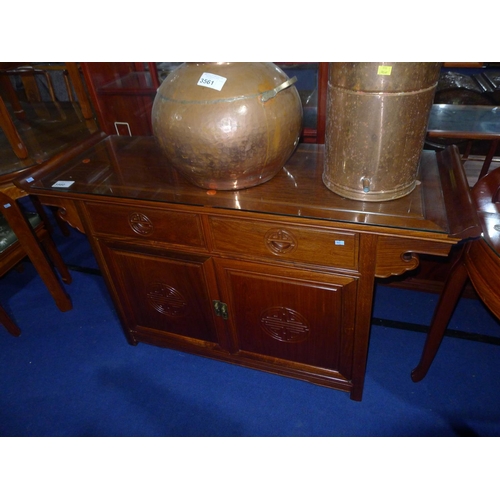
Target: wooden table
{"type": "Point", "coordinates": [458, 121]}
{"type": "Point", "coordinates": [477, 260]}
{"type": "Point", "coordinates": [278, 277]}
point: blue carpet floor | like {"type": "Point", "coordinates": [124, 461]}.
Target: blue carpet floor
{"type": "Point", "coordinates": [73, 374]}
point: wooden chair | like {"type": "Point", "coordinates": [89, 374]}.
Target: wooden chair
{"type": "Point", "coordinates": [478, 261]}
{"type": "Point", "coordinates": [31, 75]}
{"type": "Point", "coordinates": [37, 123]}
{"type": "Point", "coordinates": [39, 118]}
{"type": "Point", "coordinates": [12, 253]}
{"type": "Point", "coordinates": [11, 132]}
{"type": "Point", "coordinates": [37, 131]}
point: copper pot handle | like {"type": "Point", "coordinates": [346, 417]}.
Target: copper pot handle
{"type": "Point", "coordinates": [271, 93]}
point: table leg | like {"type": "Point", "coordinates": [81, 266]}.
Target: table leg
{"type": "Point", "coordinates": [448, 299]}
{"type": "Point", "coordinates": [34, 250]}
{"type": "Point", "coordinates": [11, 327]}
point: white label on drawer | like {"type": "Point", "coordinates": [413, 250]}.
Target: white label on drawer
{"type": "Point", "coordinates": [30, 179]}
{"type": "Point", "coordinates": [63, 184]}
{"type": "Point", "coordinates": [212, 81]}
{"type": "Point", "coordinates": [339, 242]}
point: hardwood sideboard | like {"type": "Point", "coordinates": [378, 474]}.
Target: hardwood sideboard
{"type": "Point", "coordinates": [278, 277]}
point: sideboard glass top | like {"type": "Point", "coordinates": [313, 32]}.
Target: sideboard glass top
{"type": "Point", "coordinates": [135, 168]}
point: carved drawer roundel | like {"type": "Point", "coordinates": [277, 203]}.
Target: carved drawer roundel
{"type": "Point", "coordinates": [166, 300]}
{"type": "Point", "coordinates": [284, 324]}
{"type": "Point", "coordinates": [140, 223]}
{"type": "Point", "coordinates": [280, 241]}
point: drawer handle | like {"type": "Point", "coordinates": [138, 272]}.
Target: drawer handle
{"type": "Point", "coordinates": [280, 241]}
{"type": "Point", "coordinates": [281, 246]}
{"type": "Point", "coordinates": [140, 223]}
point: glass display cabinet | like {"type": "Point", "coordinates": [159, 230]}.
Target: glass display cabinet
{"type": "Point", "coordinates": [123, 95]}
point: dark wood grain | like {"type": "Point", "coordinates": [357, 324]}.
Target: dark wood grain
{"type": "Point", "coordinates": [291, 263]}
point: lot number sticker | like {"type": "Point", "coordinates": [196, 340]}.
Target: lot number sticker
{"type": "Point", "coordinates": [212, 81]}
{"type": "Point", "coordinates": [63, 184]}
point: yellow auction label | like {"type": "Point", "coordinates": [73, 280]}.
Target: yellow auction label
{"type": "Point", "coordinates": [384, 70]}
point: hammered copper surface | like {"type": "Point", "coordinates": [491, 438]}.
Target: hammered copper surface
{"type": "Point", "coordinates": [229, 138]}
{"type": "Point", "coordinates": [377, 116]}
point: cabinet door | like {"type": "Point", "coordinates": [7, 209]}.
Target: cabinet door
{"type": "Point", "coordinates": [287, 316]}
{"type": "Point", "coordinates": [160, 293]}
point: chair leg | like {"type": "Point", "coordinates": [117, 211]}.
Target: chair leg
{"type": "Point", "coordinates": [488, 159]}
{"type": "Point", "coordinates": [448, 299]}
{"type": "Point", "coordinates": [56, 258]}
{"type": "Point", "coordinates": [11, 327]}
{"type": "Point", "coordinates": [34, 250]}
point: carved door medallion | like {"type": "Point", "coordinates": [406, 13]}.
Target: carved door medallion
{"type": "Point", "coordinates": [284, 324]}
{"type": "Point", "coordinates": [166, 300]}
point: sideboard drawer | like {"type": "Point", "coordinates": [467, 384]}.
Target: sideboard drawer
{"type": "Point", "coordinates": [178, 228]}
{"type": "Point", "coordinates": [287, 242]}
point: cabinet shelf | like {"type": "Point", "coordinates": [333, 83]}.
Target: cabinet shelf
{"type": "Point", "coordinates": [135, 83]}
{"type": "Point", "coordinates": [123, 95]}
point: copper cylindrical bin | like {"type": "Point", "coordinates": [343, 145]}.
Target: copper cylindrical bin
{"type": "Point", "coordinates": [377, 115]}
{"type": "Point", "coordinates": [227, 125]}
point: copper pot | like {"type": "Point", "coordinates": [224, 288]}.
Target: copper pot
{"type": "Point", "coordinates": [227, 125]}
